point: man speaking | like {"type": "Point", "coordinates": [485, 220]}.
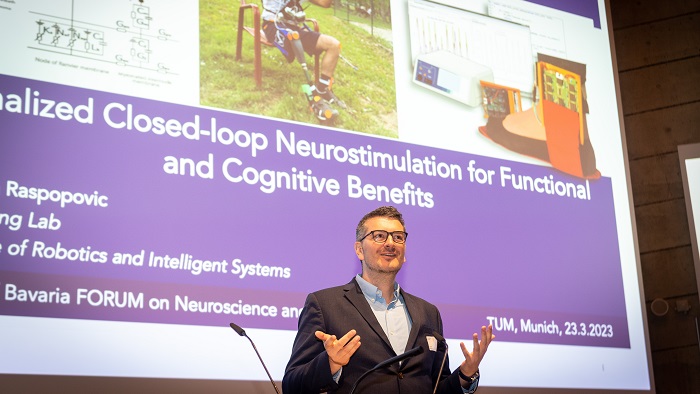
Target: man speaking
{"type": "Point", "coordinates": [346, 331]}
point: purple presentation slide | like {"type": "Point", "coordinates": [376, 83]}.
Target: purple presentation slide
{"type": "Point", "coordinates": [126, 209]}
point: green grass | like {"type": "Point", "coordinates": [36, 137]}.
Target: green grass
{"type": "Point", "coordinates": [226, 83]}
{"type": "Point", "coordinates": [349, 14]}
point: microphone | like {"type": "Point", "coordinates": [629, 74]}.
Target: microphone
{"type": "Point", "coordinates": [242, 333]}
{"type": "Point", "coordinates": [409, 353]}
{"type": "Point", "coordinates": [440, 338]}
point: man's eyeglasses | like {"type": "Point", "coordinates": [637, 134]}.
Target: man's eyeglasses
{"type": "Point", "coordinates": [380, 236]}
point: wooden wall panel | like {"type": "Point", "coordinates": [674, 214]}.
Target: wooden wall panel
{"type": "Point", "coordinates": [668, 273]}
{"type": "Point", "coordinates": [656, 178]}
{"type": "Point", "coordinates": [627, 13]}
{"type": "Point", "coordinates": [676, 371]}
{"type": "Point", "coordinates": [660, 86]}
{"type": "Point", "coordinates": [667, 40]}
{"type": "Point", "coordinates": [661, 131]}
{"type": "Point", "coordinates": [662, 225]}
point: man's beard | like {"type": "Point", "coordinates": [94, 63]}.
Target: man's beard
{"type": "Point", "coordinates": [382, 270]}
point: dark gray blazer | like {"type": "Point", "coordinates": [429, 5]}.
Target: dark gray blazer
{"type": "Point", "coordinates": [339, 309]}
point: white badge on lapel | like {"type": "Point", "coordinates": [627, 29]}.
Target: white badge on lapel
{"type": "Point", "coordinates": [432, 343]}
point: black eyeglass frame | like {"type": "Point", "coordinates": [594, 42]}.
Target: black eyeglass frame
{"type": "Point", "coordinates": [388, 233]}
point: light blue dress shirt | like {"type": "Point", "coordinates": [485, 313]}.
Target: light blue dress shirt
{"type": "Point", "coordinates": [393, 317]}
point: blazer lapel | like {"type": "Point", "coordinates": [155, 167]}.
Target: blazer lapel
{"type": "Point", "coordinates": [417, 318]}
{"type": "Point", "coordinates": [354, 294]}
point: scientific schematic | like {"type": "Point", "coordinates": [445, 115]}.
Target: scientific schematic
{"type": "Point", "coordinates": [134, 40]}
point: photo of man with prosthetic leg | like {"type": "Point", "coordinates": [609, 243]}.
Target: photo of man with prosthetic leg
{"type": "Point", "coordinates": [282, 59]}
{"type": "Point", "coordinates": [284, 24]}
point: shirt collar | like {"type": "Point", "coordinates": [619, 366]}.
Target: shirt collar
{"type": "Point", "coordinates": [373, 293]}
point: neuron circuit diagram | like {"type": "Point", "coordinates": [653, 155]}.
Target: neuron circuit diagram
{"type": "Point", "coordinates": [127, 34]}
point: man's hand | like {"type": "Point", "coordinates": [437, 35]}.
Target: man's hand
{"type": "Point", "coordinates": [472, 360]}
{"type": "Point", "coordinates": [339, 350]}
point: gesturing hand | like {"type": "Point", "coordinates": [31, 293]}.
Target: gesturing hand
{"type": "Point", "coordinates": [472, 360]}
{"type": "Point", "coordinates": [339, 350]}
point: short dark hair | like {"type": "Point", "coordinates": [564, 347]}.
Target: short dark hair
{"type": "Point", "coordinates": [388, 212]}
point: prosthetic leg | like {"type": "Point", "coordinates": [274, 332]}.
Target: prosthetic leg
{"type": "Point", "coordinates": [292, 14]}
{"type": "Point", "coordinates": [320, 107]}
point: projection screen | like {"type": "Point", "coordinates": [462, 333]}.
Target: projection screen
{"type": "Point", "coordinates": [153, 191]}
{"type": "Point", "coordinates": [689, 157]}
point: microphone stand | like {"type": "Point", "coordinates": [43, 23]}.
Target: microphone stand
{"type": "Point", "coordinates": [442, 339]}
{"type": "Point", "coordinates": [242, 333]}
{"type": "Point", "coordinates": [400, 357]}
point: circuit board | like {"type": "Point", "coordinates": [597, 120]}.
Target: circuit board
{"type": "Point", "coordinates": [499, 101]}
{"type": "Point", "coordinates": [561, 87]}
